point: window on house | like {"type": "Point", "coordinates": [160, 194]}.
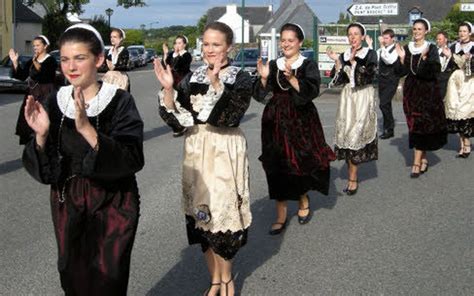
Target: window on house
{"type": "Point", "coordinates": [28, 46]}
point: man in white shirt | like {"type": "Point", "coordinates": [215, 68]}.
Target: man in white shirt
{"type": "Point", "coordinates": [388, 80]}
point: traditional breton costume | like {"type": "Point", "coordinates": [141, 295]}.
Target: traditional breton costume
{"type": "Point", "coordinates": [295, 155]}
{"type": "Point", "coordinates": [215, 167]}
{"type": "Point", "coordinates": [40, 85]}
{"type": "Point", "coordinates": [388, 80]}
{"type": "Point", "coordinates": [118, 76]}
{"type": "Point", "coordinates": [459, 99]}
{"type": "Point", "coordinates": [94, 194]}
{"type": "Point", "coordinates": [180, 64]}
{"type": "Point", "coordinates": [422, 99]}
{"type": "Point", "coordinates": [445, 72]}
{"type": "Point", "coordinates": [355, 135]}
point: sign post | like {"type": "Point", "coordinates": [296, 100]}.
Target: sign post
{"type": "Point", "coordinates": [467, 6]}
{"type": "Point", "coordinates": [373, 9]}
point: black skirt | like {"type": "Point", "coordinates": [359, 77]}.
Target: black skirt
{"type": "Point", "coordinates": [427, 142]}
{"type": "Point", "coordinates": [464, 127]}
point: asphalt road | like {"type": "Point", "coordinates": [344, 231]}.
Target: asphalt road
{"type": "Point", "coordinates": [397, 236]}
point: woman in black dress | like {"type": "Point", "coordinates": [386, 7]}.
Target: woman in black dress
{"type": "Point", "coordinates": [422, 98]}
{"type": "Point", "coordinates": [88, 145]}
{"type": "Point", "coordinates": [459, 100]}
{"type": "Point", "coordinates": [40, 73]}
{"type": "Point", "coordinates": [117, 61]}
{"type": "Point", "coordinates": [355, 134]}
{"type": "Point", "coordinates": [295, 155]}
{"type": "Point", "coordinates": [180, 62]}
{"type": "Point", "coordinates": [210, 103]}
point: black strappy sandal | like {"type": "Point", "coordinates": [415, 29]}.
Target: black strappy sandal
{"type": "Point", "coordinates": [206, 293]}
{"type": "Point", "coordinates": [413, 174]}
{"type": "Point", "coordinates": [227, 283]}
{"type": "Point", "coordinates": [351, 191]}
{"type": "Point", "coordinates": [424, 166]}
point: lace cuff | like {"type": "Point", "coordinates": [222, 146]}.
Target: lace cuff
{"type": "Point", "coordinates": [209, 101]}
{"type": "Point", "coordinates": [184, 117]}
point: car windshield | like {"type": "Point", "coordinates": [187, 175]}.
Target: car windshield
{"type": "Point", "coordinates": [133, 53]}
{"type": "Point", "coordinates": [249, 54]}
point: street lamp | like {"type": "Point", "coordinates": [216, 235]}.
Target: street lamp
{"type": "Point", "coordinates": [109, 12]}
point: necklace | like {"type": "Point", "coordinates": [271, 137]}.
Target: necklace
{"type": "Point", "coordinates": [58, 147]}
{"type": "Point", "coordinates": [278, 79]}
{"type": "Point", "coordinates": [411, 64]}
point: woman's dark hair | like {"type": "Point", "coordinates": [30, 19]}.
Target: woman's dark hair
{"type": "Point", "coordinates": [465, 24]}
{"type": "Point", "coordinates": [295, 28]}
{"type": "Point", "coordinates": [42, 40]}
{"type": "Point", "coordinates": [224, 29]}
{"type": "Point", "coordinates": [185, 41]}
{"type": "Point", "coordinates": [82, 36]}
{"type": "Point", "coordinates": [356, 25]}
{"type": "Point", "coordinates": [120, 32]}
{"type": "Point", "coordinates": [422, 21]}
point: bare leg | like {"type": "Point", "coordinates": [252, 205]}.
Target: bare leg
{"type": "Point", "coordinates": [214, 272]}
{"type": "Point", "coordinates": [227, 283]}
{"type": "Point", "coordinates": [352, 172]}
{"type": "Point", "coordinates": [418, 155]}
{"type": "Point", "coordinates": [281, 209]}
{"type": "Point", "coordinates": [466, 144]}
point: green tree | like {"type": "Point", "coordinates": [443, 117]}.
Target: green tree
{"type": "Point", "coordinates": [65, 6]}
{"type": "Point", "coordinates": [451, 22]}
{"type": "Point", "coordinates": [53, 26]}
{"type": "Point", "coordinates": [100, 23]}
{"type": "Point", "coordinates": [133, 37]}
{"type": "Point", "coordinates": [201, 24]}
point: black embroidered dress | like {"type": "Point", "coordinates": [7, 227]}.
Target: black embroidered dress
{"type": "Point", "coordinates": [40, 85]}
{"type": "Point", "coordinates": [355, 135]}
{"type": "Point", "coordinates": [422, 99]}
{"type": "Point", "coordinates": [94, 194]}
{"type": "Point", "coordinates": [295, 155]}
{"type": "Point", "coordinates": [215, 165]}
{"type": "Point", "coordinates": [459, 99]}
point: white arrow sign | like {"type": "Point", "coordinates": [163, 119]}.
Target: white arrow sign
{"type": "Point", "coordinates": [373, 9]}
{"type": "Point", "coordinates": [467, 6]}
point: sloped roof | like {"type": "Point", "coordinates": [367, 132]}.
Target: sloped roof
{"type": "Point", "coordinates": [25, 15]}
{"type": "Point", "coordinates": [257, 15]}
{"type": "Point", "coordinates": [289, 11]}
{"type": "Point", "coordinates": [433, 10]}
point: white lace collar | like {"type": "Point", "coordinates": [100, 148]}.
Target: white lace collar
{"type": "Point", "coordinates": [296, 64]}
{"type": "Point", "coordinates": [96, 105]}
{"type": "Point", "coordinates": [361, 53]}
{"type": "Point", "coordinates": [417, 50]}
{"type": "Point", "coordinates": [44, 59]}
{"type": "Point", "coordinates": [227, 75]}
{"type": "Point", "coordinates": [179, 53]}
{"type": "Point", "coordinates": [466, 48]}
{"type": "Point", "coordinates": [115, 57]}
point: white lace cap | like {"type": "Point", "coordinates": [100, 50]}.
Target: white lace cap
{"type": "Point", "coordinates": [299, 27]}
{"type": "Point", "coordinates": [364, 30]}
{"type": "Point", "coordinates": [469, 24]}
{"type": "Point", "coordinates": [427, 22]}
{"type": "Point", "coordinates": [88, 28]}
{"type": "Point", "coordinates": [47, 40]}
{"type": "Point", "coordinates": [123, 33]}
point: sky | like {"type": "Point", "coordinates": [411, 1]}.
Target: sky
{"type": "Point", "coordinates": [163, 13]}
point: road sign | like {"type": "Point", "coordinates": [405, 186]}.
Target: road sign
{"type": "Point", "coordinates": [467, 6]}
{"type": "Point", "coordinates": [334, 39]}
{"type": "Point", "coordinates": [373, 9]}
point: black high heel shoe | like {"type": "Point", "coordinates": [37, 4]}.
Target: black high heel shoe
{"type": "Point", "coordinates": [464, 152]}
{"type": "Point", "coordinates": [206, 293]}
{"type": "Point", "coordinates": [304, 219]}
{"type": "Point", "coordinates": [351, 191]}
{"type": "Point", "coordinates": [278, 230]}
{"type": "Point", "coordinates": [424, 167]}
{"type": "Point", "coordinates": [413, 174]}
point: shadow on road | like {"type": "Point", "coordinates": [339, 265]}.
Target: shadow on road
{"type": "Point", "coordinates": [190, 276]}
{"type": "Point", "coordinates": [402, 145]}
{"type": "Point", "coordinates": [156, 132]}
{"type": "Point", "coordinates": [10, 166]}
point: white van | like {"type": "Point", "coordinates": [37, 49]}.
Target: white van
{"type": "Point", "coordinates": [141, 50]}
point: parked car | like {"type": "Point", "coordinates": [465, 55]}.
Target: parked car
{"type": "Point", "coordinates": [151, 53]}
{"type": "Point", "coordinates": [308, 53]}
{"type": "Point", "coordinates": [7, 82]}
{"type": "Point", "coordinates": [142, 53]}
{"type": "Point", "coordinates": [60, 78]}
{"type": "Point", "coordinates": [250, 60]}
{"type": "Point", "coordinates": [134, 58]}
